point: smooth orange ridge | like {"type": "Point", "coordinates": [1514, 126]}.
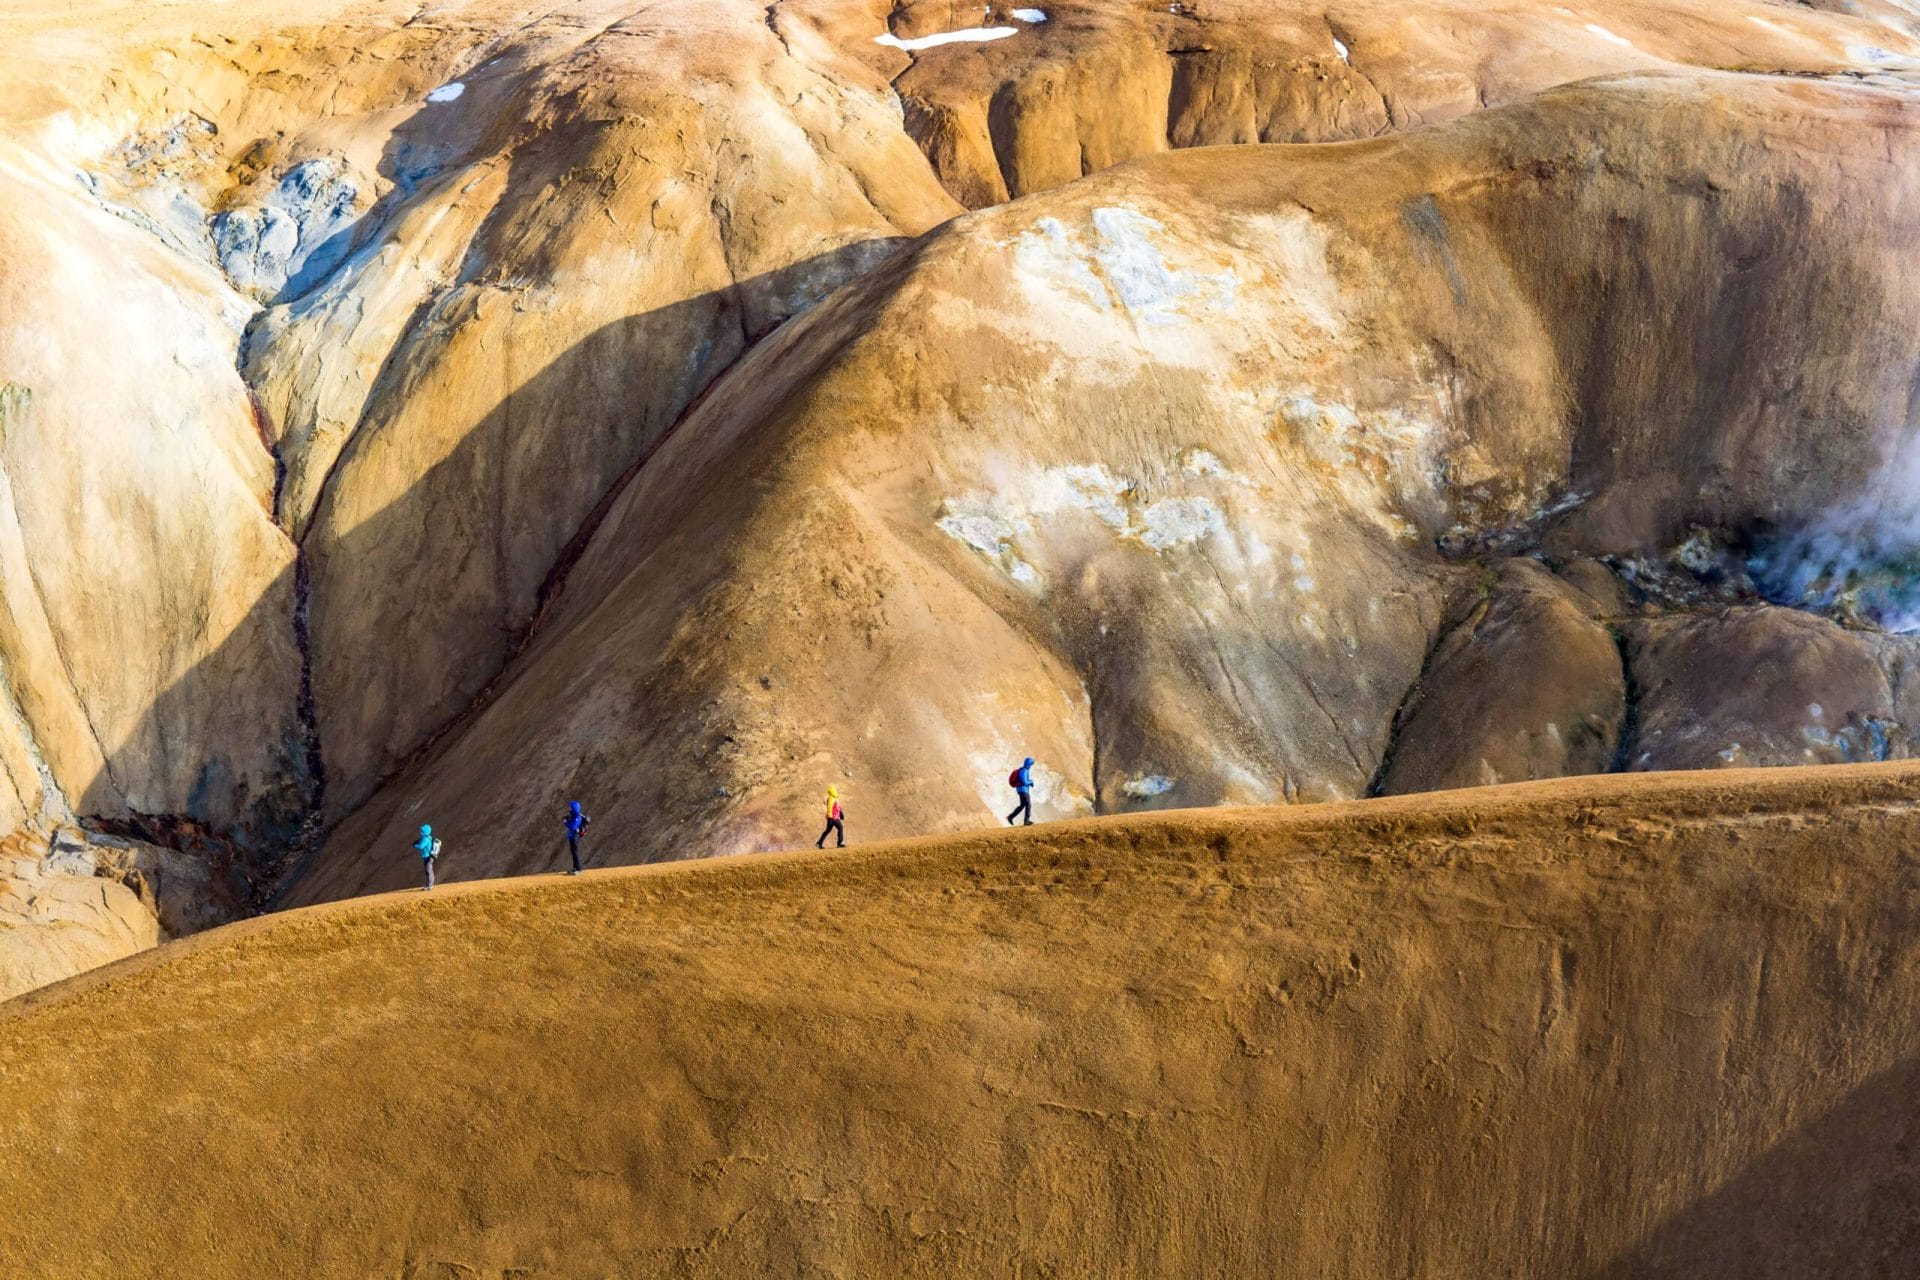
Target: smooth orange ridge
{"type": "Point", "coordinates": [1635, 1025]}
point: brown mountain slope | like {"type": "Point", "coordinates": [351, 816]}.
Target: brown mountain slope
{"type": "Point", "coordinates": [1650, 1026]}
{"type": "Point", "coordinates": [459, 321]}
{"type": "Point", "coordinates": [1175, 478]}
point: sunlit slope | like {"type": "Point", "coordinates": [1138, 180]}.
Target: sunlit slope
{"type": "Point", "coordinates": [1634, 1026]}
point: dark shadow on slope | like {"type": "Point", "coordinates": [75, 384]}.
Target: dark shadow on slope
{"type": "Point", "coordinates": [473, 543]}
{"type": "Point", "coordinates": [1840, 1196]}
{"type": "Point", "coordinates": [534, 505]}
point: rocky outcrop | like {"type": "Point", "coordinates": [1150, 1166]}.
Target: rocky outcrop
{"type": "Point", "coordinates": [299, 231]}
{"type": "Point", "coordinates": [54, 923]}
{"type": "Point", "coordinates": [79, 899]}
{"type": "Point", "coordinates": [1760, 686]}
{"type": "Point", "coordinates": [146, 595]}
{"type": "Point", "coordinates": [1529, 685]}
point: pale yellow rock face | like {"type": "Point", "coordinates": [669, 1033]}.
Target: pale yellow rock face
{"type": "Point", "coordinates": [64, 909]}
{"type": "Point", "coordinates": [146, 594]}
{"type": "Point", "coordinates": [412, 413]}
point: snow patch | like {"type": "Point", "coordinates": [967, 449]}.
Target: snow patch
{"type": "Point", "coordinates": [1875, 56]}
{"type": "Point", "coordinates": [1202, 464]}
{"type": "Point", "coordinates": [1087, 488]}
{"type": "Point", "coordinates": [1340, 48]}
{"type": "Point", "coordinates": [1605, 34]}
{"type": "Point", "coordinates": [447, 92]}
{"type": "Point", "coordinates": [984, 533]}
{"type": "Point", "coordinates": [1146, 786]}
{"type": "Point", "coordinates": [972, 35]}
{"type": "Point", "coordinates": [1032, 17]}
{"type": "Point", "coordinates": [1052, 252]}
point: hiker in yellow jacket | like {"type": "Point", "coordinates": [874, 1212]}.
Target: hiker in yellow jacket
{"type": "Point", "coordinates": [836, 821]}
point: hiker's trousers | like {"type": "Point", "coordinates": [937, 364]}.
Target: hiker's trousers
{"type": "Point", "coordinates": [1025, 806]}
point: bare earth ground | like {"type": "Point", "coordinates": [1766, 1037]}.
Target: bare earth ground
{"type": "Point", "coordinates": [1605, 1026]}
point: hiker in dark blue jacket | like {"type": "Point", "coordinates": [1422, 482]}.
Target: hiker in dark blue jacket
{"type": "Point", "coordinates": [576, 827]}
{"type": "Point", "coordinates": [1021, 780]}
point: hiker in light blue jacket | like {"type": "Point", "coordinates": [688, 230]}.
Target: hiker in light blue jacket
{"type": "Point", "coordinates": [429, 849]}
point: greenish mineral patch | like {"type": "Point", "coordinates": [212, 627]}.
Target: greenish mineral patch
{"type": "Point", "coordinates": [14, 402]}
